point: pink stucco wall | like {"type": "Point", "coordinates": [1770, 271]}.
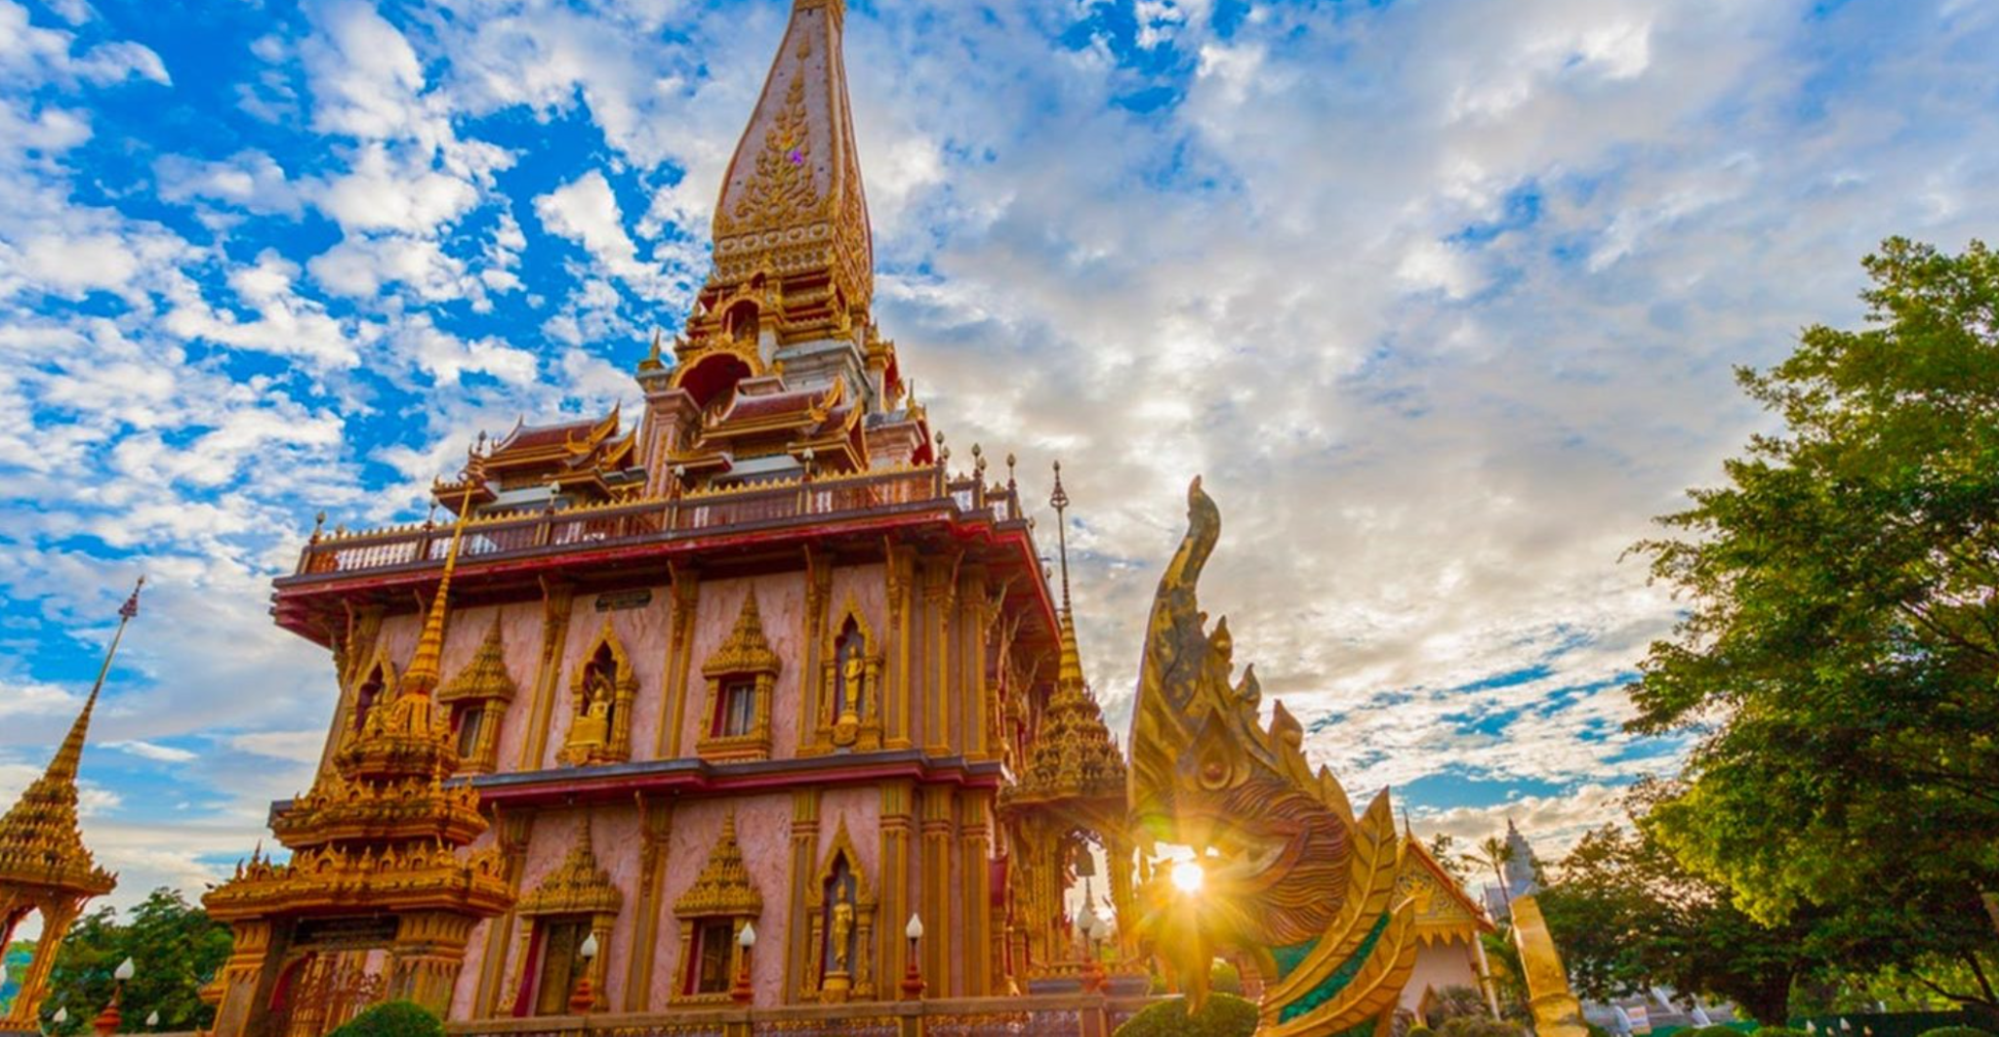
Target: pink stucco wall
{"type": "Point", "coordinates": [763, 829]}
{"type": "Point", "coordinates": [642, 632]}
{"type": "Point", "coordinates": [781, 606]}
{"type": "Point", "coordinates": [1439, 965]}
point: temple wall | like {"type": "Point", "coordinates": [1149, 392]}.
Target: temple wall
{"type": "Point", "coordinates": [1446, 963]}
{"type": "Point", "coordinates": [520, 629]}
{"type": "Point", "coordinates": [781, 604]}
{"type": "Point", "coordinates": [763, 829]}
{"type": "Point", "coordinates": [860, 810]}
{"type": "Point", "coordinates": [643, 634]}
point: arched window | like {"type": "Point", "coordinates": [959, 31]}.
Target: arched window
{"type": "Point", "coordinates": [741, 322]}
{"type": "Point", "coordinates": [601, 692]}
{"type": "Point", "coordinates": [365, 696]}
{"type": "Point", "coordinates": [849, 663]}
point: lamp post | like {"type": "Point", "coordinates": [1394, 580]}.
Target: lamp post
{"type": "Point", "coordinates": [585, 997]}
{"type": "Point", "coordinates": [742, 992]}
{"type": "Point", "coordinates": [107, 1021]}
{"type": "Point", "coordinates": [912, 977]}
{"type": "Point", "coordinates": [153, 1019]}
{"type": "Point", "coordinates": [57, 1020]}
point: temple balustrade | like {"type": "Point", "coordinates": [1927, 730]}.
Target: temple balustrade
{"type": "Point", "coordinates": [1072, 1015]}
{"type": "Point", "coordinates": [527, 533]}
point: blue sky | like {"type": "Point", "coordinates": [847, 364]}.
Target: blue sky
{"type": "Point", "coordinates": [1442, 296]}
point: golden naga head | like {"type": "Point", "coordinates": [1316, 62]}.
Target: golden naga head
{"type": "Point", "coordinates": [1276, 849]}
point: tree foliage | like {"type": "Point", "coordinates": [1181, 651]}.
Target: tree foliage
{"type": "Point", "coordinates": [393, 1019]}
{"type": "Point", "coordinates": [1225, 1015]}
{"type": "Point", "coordinates": [175, 949]}
{"type": "Point", "coordinates": [1839, 658]}
{"type": "Point", "coordinates": [1628, 916]}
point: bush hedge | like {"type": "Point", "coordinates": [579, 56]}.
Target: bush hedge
{"type": "Point", "coordinates": [1225, 1015]}
{"type": "Point", "coordinates": [1479, 1026]}
{"type": "Point", "coordinates": [392, 1019]}
{"type": "Point", "coordinates": [1955, 1031]}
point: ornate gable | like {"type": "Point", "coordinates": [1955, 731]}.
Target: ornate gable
{"type": "Point", "coordinates": [485, 678]}
{"type": "Point", "coordinates": [723, 889]}
{"type": "Point", "coordinates": [578, 886]}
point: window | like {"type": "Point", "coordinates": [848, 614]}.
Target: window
{"type": "Point", "coordinates": [739, 708]}
{"type": "Point", "coordinates": [469, 720]}
{"type": "Point", "coordinates": [364, 699]}
{"type": "Point", "coordinates": [711, 974]}
{"type": "Point", "coordinates": [561, 965]}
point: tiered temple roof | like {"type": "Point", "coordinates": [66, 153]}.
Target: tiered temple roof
{"type": "Point", "coordinates": [41, 843]}
{"type": "Point", "coordinates": [586, 461]}
{"type": "Point", "coordinates": [381, 831]}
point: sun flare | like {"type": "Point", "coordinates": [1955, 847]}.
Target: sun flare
{"type": "Point", "coordinates": [1188, 876]}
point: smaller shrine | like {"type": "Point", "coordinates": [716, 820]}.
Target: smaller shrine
{"type": "Point", "coordinates": [1065, 810]}
{"type": "Point", "coordinates": [1448, 928]}
{"type": "Point", "coordinates": [376, 902]}
{"type": "Point", "coordinates": [44, 867]}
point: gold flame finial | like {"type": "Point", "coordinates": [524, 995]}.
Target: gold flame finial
{"type": "Point", "coordinates": [423, 673]}
{"type": "Point", "coordinates": [1060, 502]}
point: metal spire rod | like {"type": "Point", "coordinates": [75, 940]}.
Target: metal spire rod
{"type": "Point", "coordinates": [125, 614]}
{"type": "Point", "coordinates": [1060, 501]}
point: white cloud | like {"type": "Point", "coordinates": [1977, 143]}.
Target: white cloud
{"type": "Point", "coordinates": [150, 751]}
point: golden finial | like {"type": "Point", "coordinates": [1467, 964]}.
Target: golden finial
{"type": "Point", "coordinates": [68, 758]}
{"type": "Point", "coordinates": [1060, 502]}
{"type": "Point", "coordinates": [652, 362]}
{"type": "Point", "coordinates": [423, 673]}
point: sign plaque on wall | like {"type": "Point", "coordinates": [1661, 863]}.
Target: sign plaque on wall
{"type": "Point", "coordinates": [619, 601]}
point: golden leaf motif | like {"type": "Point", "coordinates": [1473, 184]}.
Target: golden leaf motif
{"type": "Point", "coordinates": [781, 193]}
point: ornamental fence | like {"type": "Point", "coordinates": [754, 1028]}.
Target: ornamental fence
{"type": "Point", "coordinates": [528, 533]}
{"type": "Point", "coordinates": [1081, 1015]}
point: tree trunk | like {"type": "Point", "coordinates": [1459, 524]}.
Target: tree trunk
{"type": "Point", "coordinates": [1768, 1001]}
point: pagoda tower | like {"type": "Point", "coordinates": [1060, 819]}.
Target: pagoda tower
{"type": "Point", "coordinates": [763, 658]}
{"type": "Point", "coordinates": [1066, 810]}
{"type": "Point", "coordinates": [44, 867]}
{"type": "Point", "coordinates": [376, 866]}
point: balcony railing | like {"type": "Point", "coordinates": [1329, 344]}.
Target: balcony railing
{"type": "Point", "coordinates": [769, 504]}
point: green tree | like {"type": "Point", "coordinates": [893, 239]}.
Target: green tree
{"type": "Point", "coordinates": [1494, 853]}
{"type": "Point", "coordinates": [1628, 916]}
{"type": "Point", "coordinates": [1838, 661]}
{"type": "Point", "coordinates": [175, 949]}
{"type": "Point", "coordinates": [1443, 850]}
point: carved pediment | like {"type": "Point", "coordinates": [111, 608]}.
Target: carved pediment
{"type": "Point", "coordinates": [746, 651]}
{"type": "Point", "coordinates": [723, 889]}
{"type": "Point", "coordinates": [485, 678]}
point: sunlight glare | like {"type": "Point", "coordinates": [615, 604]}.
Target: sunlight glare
{"type": "Point", "coordinates": [1188, 876]}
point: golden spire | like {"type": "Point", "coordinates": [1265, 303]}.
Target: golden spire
{"type": "Point", "coordinates": [40, 839]}
{"type": "Point", "coordinates": [422, 676]}
{"type": "Point", "coordinates": [792, 204]}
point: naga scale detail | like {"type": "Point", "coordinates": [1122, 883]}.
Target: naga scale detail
{"type": "Point", "coordinates": [1291, 881]}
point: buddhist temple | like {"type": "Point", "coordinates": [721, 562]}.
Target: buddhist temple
{"type": "Point", "coordinates": [756, 699]}
{"type": "Point", "coordinates": [45, 869]}
{"type": "Point", "coordinates": [1448, 926]}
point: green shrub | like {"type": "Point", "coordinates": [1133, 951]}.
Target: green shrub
{"type": "Point", "coordinates": [1713, 1031]}
{"type": "Point", "coordinates": [1224, 979]}
{"type": "Point", "coordinates": [1479, 1026]}
{"type": "Point", "coordinates": [1420, 1030]}
{"type": "Point", "coordinates": [1780, 1031]}
{"type": "Point", "coordinates": [1595, 1030]}
{"type": "Point", "coordinates": [1225, 1015]}
{"type": "Point", "coordinates": [1949, 1031]}
{"type": "Point", "coordinates": [392, 1019]}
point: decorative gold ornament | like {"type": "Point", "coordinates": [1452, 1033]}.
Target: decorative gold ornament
{"type": "Point", "coordinates": [379, 836]}
{"type": "Point", "coordinates": [744, 664]}
{"type": "Point", "coordinates": [1285, 875]}
{"type": "Point", "coordinates": [1557, 1013]}
{"type": "Point", "coordinates": [601, 689]}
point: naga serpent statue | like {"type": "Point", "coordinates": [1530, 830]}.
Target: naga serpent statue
{"type": "Point", "coordinates": [1290, 880]}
